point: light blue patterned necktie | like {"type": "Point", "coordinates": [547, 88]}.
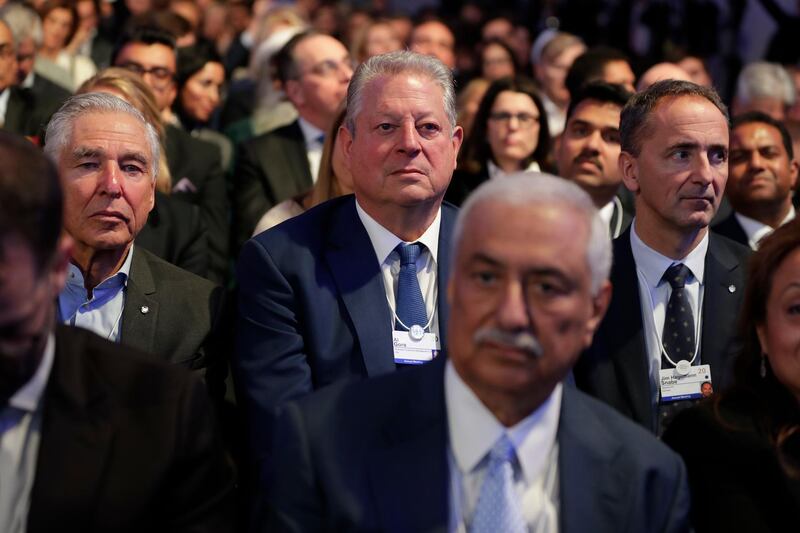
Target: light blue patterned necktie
{"type": "Point", "coordinates": [498, 508]}
{"type": "Point", "coordinates": [410, 304]}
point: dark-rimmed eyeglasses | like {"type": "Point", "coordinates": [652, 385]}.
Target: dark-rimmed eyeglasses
{"type": "Point", "coordinates": [161, 76]}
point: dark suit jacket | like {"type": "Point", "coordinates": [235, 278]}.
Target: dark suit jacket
{"type": "Point", "coordinates": [49, 95]}
{"type": "Point", "coordinates": [24, 114]}
{"type": "Point", "coordinates": [463, 183]}
{"type": "Point", "coordinates": [313, 309]}
{"type": "Point", "coordinates": [615, 367]}
{"type": "Point", "coordinates": [270, 168]}
{"type": "Point", "coordinates": [127, 444]}
{"type": "Point", "coordinates": [196, 168]}
{"type": "Point", "coordinates": [730, 228]}
{"type": "Point", "coordinates": [372, 456]}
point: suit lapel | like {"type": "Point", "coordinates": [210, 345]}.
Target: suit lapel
{"type": "Point", "coordinates": [288, 154]}
{"type": "Point", "coordinates": [443, 272]}
{"type": "Point", "coordinates": [140, 314]}
{"type": "Point", "coordinates": [17, 107]}
{"type": "Point", "coordinates": [410, 476]}
{"type": "Point", "coordinates": [77, 431]}
{"type": "Point", "coordinates": [355, 270]}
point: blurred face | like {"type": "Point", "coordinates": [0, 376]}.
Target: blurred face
{"type": "Point", "coordinates": [403, 151]}
{"type": "Point", "coordinates": [552, 73]}
{"type": "Point", "coordinates": [200, 95]}
{"type": "Point", "coordinates": [773, 107]}
{"type": "Point", "coordinates": [26, 56]}
{"type": "Point", "coordinates": [325, 69]}
{"type": "Point", "coordinates": [8, 60]}
{"type": "Point", "coordinates": [56, 27]}
{"type": "Point", "coordinates": [434, 39]}
{"type": "Point", "coordinates": [620, 73]}
{"type": "Point", "coordinates": [496, 63]}
{"type": "Point", "coordinates": [780, 336]}
{"type": "Point", "coordinates": [696, 70]}
{"type": "Point", "coordinates": [27, 293]}
{"type": "Point", "coordinates": [86, 14]}
{"type": "Point", "coordinates": [499, 28]}
{"type": "Point", "coordinates": [681, 170]}
{"type": "Point", "coordinates": [513, 129]}
{"type": "Point", "coordinates": [380, 40]}
{"type": "Point", "coordinates": [589, 149]}
{"type": "Point", "coordinates": [542, 289]}
{"type": "Point", "coordinates": [108, 184]}
{"type": "Point", "coordinates": [156, 64]}
{"type": "Point", "coordinates": [761, 173]}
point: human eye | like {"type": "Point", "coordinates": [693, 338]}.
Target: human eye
{"type": "Point", "coordinates": [681, 154]}
{"type": "Point", "coordinates": [133, 170]}
{"type": "Point", "coordinates": [738, 156]}
{"type": "Point", "coordinates": [718, 156]}
{"type": "Point", "coordinates": [770, 152]}
{"type": "Point", "coordinates": [428, 129]}
{"type": "Point", "coordinates": [385, 127]}
{"type": "Point", "coordinates": [611, 136]}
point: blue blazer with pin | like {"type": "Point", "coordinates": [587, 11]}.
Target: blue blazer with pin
{"type": "Point", "coordinates": [313, 309]}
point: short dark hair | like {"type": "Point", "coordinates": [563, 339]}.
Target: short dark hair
{"type": "Point", "coordinates": [192, 59]}
{"type": "Point", "coordinates": [502, 44]}
{"type": "Point", "coordinates": [589, 66]}
{"type": "Point", "coordinates": [30, 193]}
{"type": "Point", "coordinates": [600, 91]}
{"type": "Point", "coordinates": [759, 116]}
{"type": "Point", "coordinates": [144, 32]}
{"type": "Point", "coordinates": [285, 65]}
{"type": "Point", "coordinates": [636, 113]}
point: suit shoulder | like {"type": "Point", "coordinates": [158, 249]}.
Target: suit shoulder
{"type": "Point", "coordinates": [165, 272]}
{"type": "Point", "coordinates": [291, 132]}
{"type": "Point", "coordinates": [721, 244]}
{"type": "Point", "coordinates": [307, 229]}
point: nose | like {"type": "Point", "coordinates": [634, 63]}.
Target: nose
{"type": "Point", "coordinates": [703, 172]}
{"type": "Point", "coordinates": [593, 142]}
{"type": "Point", "coordinates": [409, 141]}
{"type": "Point", "coordinates": [111, 180]}
{"type": "Point", "coordinates": [756, 162]}
{"type": "Point", "coordinates": [346, 70]}
{"type": "Point", "coordinates": [513, 311]}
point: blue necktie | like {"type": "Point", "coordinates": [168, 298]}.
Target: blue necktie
{"type": "Point", "coordinates": [678, 333]}
{"type": "Point", "coordinates": [498, 508]}
{"type": "Point", "coordinates": [410, 305]}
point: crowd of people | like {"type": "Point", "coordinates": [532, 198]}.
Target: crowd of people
{"type": "Point", "coordinates": [380, 266]}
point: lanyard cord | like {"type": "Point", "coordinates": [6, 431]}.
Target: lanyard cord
{"type": "Point", "coordinates": [431, 287]}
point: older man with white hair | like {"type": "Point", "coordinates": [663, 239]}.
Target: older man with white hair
{"type": "Point", "coordinates": [489, 439]}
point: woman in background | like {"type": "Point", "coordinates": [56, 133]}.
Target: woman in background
{"type": "Point", "coordinates": [742, 446]}
{"type": "Point", "coordinates": [53, 58]}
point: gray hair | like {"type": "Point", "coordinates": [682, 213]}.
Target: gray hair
{"type": "Point", "coordinates": [23, 22]}
{"type": "Point", "coordinates": [402, 62]}
{"type": "Point", "coordinates": [535, 189]}
{"type": "Point", "coordinates": [765, 80]}
{"type": "Point", "coordinates": [633, 121]}
{"type": "Point", "coordinates": [59, 129]}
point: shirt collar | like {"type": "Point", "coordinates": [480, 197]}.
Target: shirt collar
{"type": "Point", "coordinates": [28, 396]}
{"type": "Point", "coordinates": [118, 279]}
{"type": "Point", "coordinates": [756, 231]}
{"type": "Point", "coordinates": [652, 264]}
{"type": "Point", "coordinates": [496, 172]}
{"type": "Point", "coordinates": [4, 96]}
{"type": "Point", "coordinates": [474, 429]}
{"type": "Point", "coordinates": [311, 133]}
{"type": "Point", "coordinates": [384, 241]}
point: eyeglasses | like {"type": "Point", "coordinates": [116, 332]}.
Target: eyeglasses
{"type": "Point", "coordinates": [161, 76]}
{"type": "Point", "coordinates": [330, 67]}
{"type": "Point", "coordinates": [6, 50]}
{"type": "Point", "coordinates": [524, 119]}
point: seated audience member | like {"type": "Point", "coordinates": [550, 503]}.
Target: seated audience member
{"type": "Point", "coordinates": [550, 68]}
{"type": "Point", "coordinates": [764, 87]}
{"type": "Point", "coordinates": [334, 180]}
{"type": "Point", "coordinates": [107, 154]}
{"type": "Point", "coordinates": [468, 101]}
{"type": "Point", "coordinates": [742, 447]}
{"type": "Point", "coordinates": [174, 231]}
{"type": "Point", "coordinates": [697, 70]}
{"type": "Point", "coordinates": [95, 436]}
{"type": "Point", "coordinates": [600, 63]}
{"type": "Point", "coordinates": [497, 60]}
{"type": "Point", "coordinates": [87, 40]}
{"type": "Point", "coordinates": [337, 292]}
{"type": "Point", "coordinates": [677, 286]}
{"type": "Point", "coordinates": [588, 150]}
{"type": "Point", "coordinates": [509, 134]}
{"type": "Point", "coordinates": [661, 72]}
{"type": "Point", "coordinates": [376, 38]}
{"type": "Point", "coordinates": [314, 70]}
{"type": "Point", "coordinates": [434, 38]}
{"type": "Point", "coordinates": [488, 439]}
{"type": "Point", "coordinates": [53, 58]}
{"type": "Point", "coordinates": [762, 175]}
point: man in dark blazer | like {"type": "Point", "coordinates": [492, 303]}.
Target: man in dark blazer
{"type": "Point", "coordinates": [674, 159]}
{"type": "Point", "coordinates": [314, 70]}
{"type": "Point", "coordinates": [411, 451]}
{"type": "Point", "coordinates": [317, 294]}
{"type": "Point", "coordinates": [96, 436]}
{"type": "Point", "coordinates": [762, 180]}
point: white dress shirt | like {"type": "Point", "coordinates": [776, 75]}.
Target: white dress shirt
{"type": "Point", "coordinates": [20, 433]}
{"type": "Point", "coordinates": [473, 430]}
{"type": "Point", "coordinates": [756, 231]}
{"type": "Point", "coordinates": [654, 295]}
{"type": "Point", "coordinates": [496, 172]}
{"type": "Point", "coordinates": [384, 242]}
{"type": "Point", "coordinates": [102, 313]}
{"type": "Point", "coordinates": [4, 96]}
{"type": "Point", "coordinates": [312, 134]}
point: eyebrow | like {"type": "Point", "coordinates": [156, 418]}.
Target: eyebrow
{"type": "Point", "coordinates": [83, 152]}
{"type": "Point", "coordinates": [536, 271]}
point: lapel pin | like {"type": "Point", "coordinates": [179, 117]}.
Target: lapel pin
{"type": "Point", "coordinates": [731, 288]}
{"type": "Point", "coordinates": [146, 309]}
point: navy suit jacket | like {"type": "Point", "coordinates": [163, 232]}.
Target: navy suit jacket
{"type": "Point", "coordinates": [313, 309]}
{"type": "Point", "coordinates": [615, 367]}
{"type": "Point", "coordinates": [372, 456]}
{"type": "Point", "coordinates": [730, 228]}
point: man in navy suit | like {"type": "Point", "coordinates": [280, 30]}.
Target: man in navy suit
{"type": "Point", "coordinates": [318, 296]}
{"type": "Point", "coordinates": [489, 439]}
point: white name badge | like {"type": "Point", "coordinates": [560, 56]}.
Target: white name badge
{"type": "Point", "coordinates": [685, 384]}
{"type": "Point", "coordinates": [416, 349]}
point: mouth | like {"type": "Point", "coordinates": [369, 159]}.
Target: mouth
{"type": "Point", "coordinates": [409, 171]}
{"type": "Point", "coordinates": [107, 215]}
{"type": "Point", "coordinates": [589, 165]}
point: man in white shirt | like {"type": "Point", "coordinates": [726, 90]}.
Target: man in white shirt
{"type": "Point", "coordinates": [677, 290]}
{"type": "Point", "coordinates": [490, 439]}
{"type": "Point", "coordinates": [763, 175]}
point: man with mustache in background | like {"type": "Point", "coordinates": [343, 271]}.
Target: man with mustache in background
{"type": "Point", "coordinates": [588, 150]}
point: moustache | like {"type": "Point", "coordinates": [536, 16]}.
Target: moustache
{"type": "Point", "coordinates": [586, 158]}
{"type": "Point", "coordinates": [521, 340]}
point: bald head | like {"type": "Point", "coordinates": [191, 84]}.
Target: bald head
{"type": "Point", "coordinates": [659, 72]}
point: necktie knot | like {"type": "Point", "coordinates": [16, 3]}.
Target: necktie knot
{"type": "Point", "coordinates": [676, 275]}
{"type": "Point", "coordinates": [409, 253]}
{"type": "Point", "coordinates": [502, 451]}
{"type": "Point", "coordinates": [321, 138]}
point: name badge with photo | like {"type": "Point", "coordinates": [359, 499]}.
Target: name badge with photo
{"type": "Point", "coordinates": [685, 382]}
{"type": "Point", "coordinates": [414, 347]}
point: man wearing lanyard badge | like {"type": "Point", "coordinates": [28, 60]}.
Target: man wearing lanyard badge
{"type": "Point", "coordinates": [677, 288]}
